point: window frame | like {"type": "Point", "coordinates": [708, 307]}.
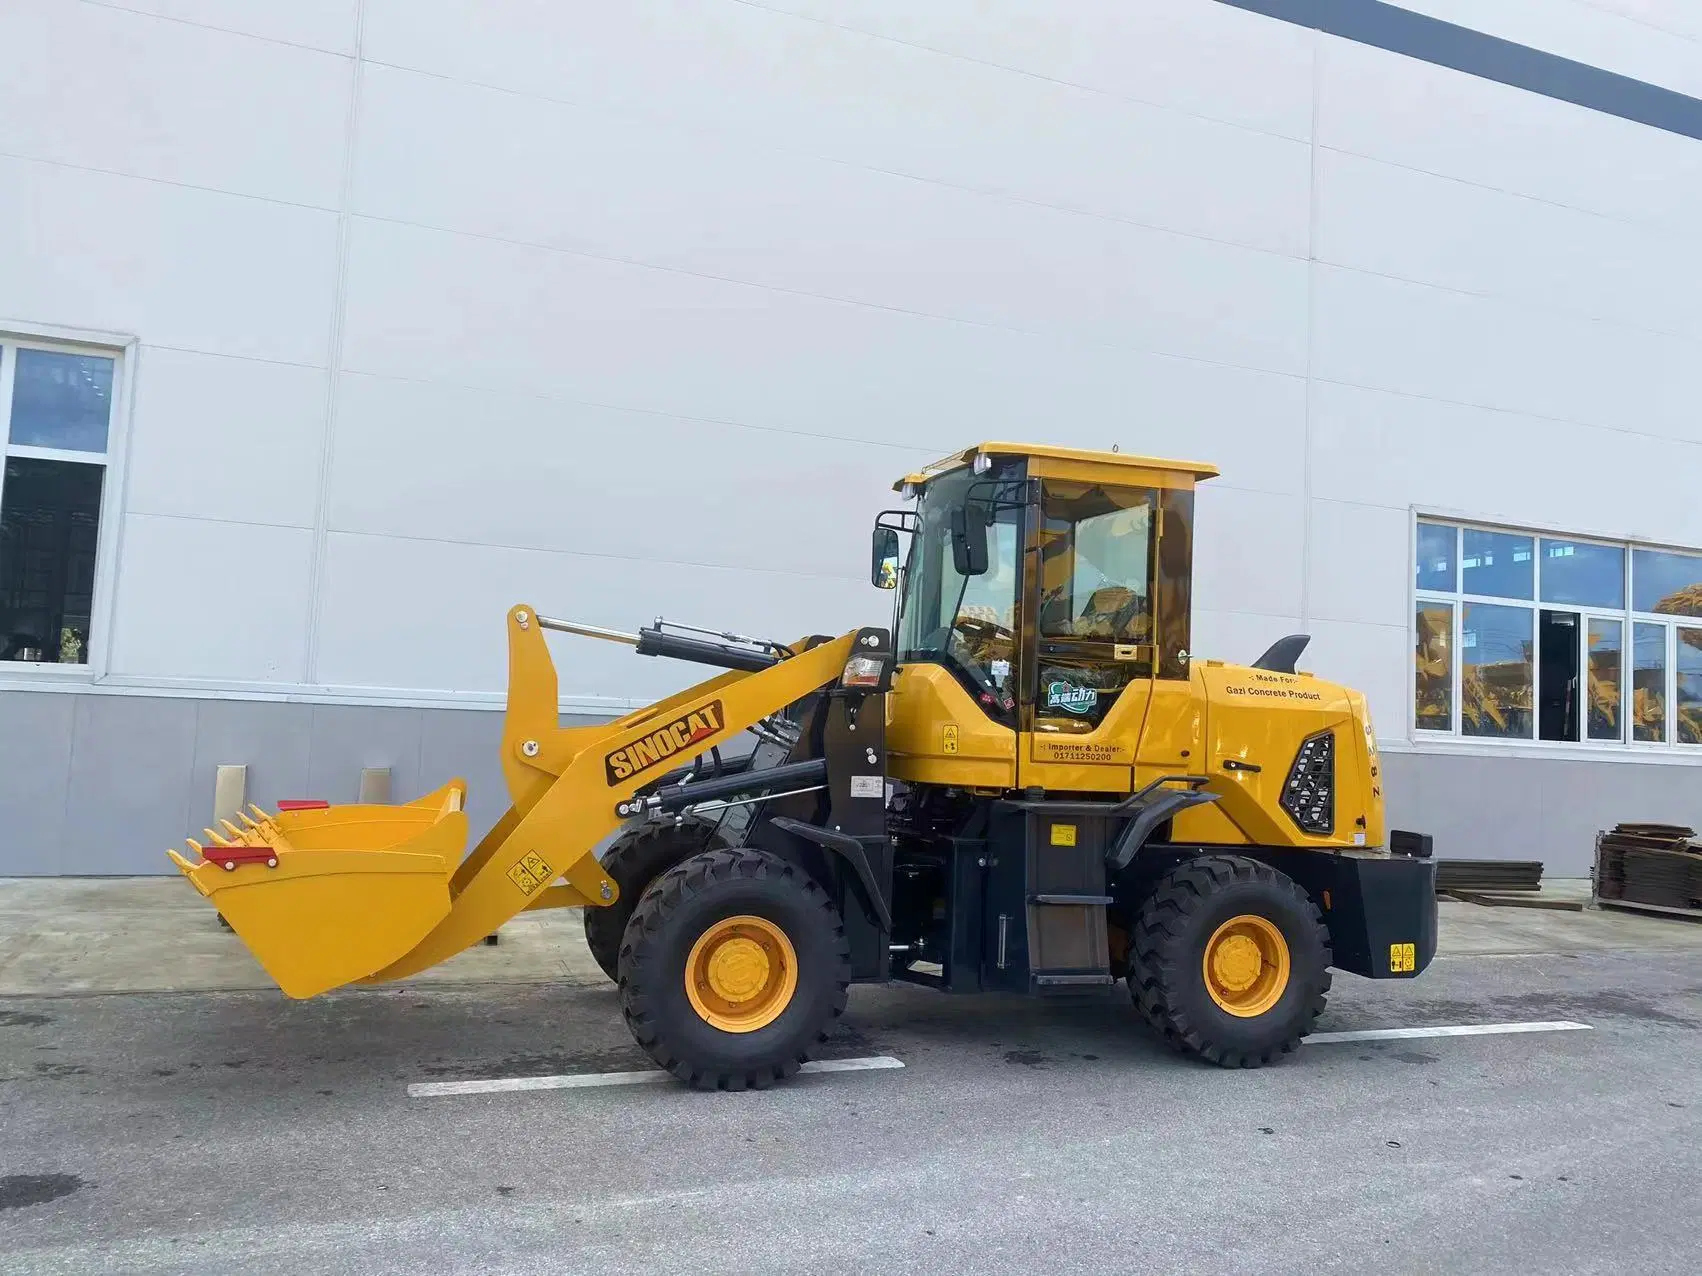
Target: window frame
{"type": "Point", "coordinates": [1624, 748]}
{"type": "Point", "coordinates": [123, 350]}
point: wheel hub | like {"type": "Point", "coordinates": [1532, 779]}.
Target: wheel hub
{"type": "Point", "coordinates": [1246, 966]}
{"type": "Point", "coordinates": [1237, 963]}
{"type": "Point", "coordinates": [738, 969]}
{"type": "Point", "coordinates": [741, 974]}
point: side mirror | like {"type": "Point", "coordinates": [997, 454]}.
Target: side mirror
{"type": "Point", "coordinates": [969, 539]}
{"type": "Point", "coordinates": [883, 565]}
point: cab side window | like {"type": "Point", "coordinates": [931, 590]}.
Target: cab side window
{"type": "Point", "coordinates": [1096, 554]}
{"type": "Point", "coordinates": [1096, 599]}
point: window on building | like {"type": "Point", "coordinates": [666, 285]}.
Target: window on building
{"type": "Point", "coordinates": [1649, 684]}
{"type": "Point", "coordinates": [1433, 654]}
{"type": "Point", "coordinates": [1603, 677]}
{"type": "Point", "coordinates": [1524, 636]}
{"type": "Point", "coordinates": [1495, 671]}
{"type": "Point", "coordinates": [55, 423]}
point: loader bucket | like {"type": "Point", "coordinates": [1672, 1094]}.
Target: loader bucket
{"type": "Point", "coordinates": [331, 895]}
{"type": "Point", "coordinates": [324, 896]}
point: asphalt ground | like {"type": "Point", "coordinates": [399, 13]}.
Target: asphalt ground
{"type": "Point", "coordinates": [239, 1132]}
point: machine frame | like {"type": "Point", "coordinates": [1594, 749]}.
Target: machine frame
{"type": "Point", "coordinates": [1092, 805]}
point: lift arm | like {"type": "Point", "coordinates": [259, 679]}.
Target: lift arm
{"type": "Point", "coordinates": [566, 783]}
{"type": "Point", "coordinates": [331, 895]}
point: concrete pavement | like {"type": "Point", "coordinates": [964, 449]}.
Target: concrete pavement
{"type": "Point", "coordinates": [190, 1131]}
{"type": "Point", "coordinates": [215, 1133]}
{"type": "Point", "coordinates": [155, 934]}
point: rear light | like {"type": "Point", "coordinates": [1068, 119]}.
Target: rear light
{"type": "Point", "coordinates": [863, 671]}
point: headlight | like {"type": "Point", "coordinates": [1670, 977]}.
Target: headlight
{"type": "Point", "coordinates": [863, 671]}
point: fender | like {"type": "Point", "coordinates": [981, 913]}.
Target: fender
{"type": "Point", "coordinates": [853, 852]}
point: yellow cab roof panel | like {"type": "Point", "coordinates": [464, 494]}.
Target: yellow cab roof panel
{"type": "Point", "coordinates": [1066, 457]}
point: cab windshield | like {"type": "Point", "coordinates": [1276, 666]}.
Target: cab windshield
{"type": "Point", "coordinates": [967, 624]}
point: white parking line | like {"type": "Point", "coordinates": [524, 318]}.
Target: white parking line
{"type": "Point", "coordinates": [1456, 1030]}
{"type": "Point", "coordinates": [575, 1081]}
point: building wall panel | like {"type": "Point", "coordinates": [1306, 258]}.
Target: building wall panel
{"type": "Point", "coordinates": [626, 310]}
{"type": "Point", "coordinates": [109, 89]}
{"type": "Point", "coordinates": [212, 601]}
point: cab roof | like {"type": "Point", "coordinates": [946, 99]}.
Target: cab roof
{"type": "Point", "coordinates": [1188, 472]}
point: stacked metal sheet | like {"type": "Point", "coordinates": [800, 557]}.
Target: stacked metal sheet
{"type": "Point", "coordinates": [1655, 864]}
{"type": "Point", "coordinates": [1492, 876]}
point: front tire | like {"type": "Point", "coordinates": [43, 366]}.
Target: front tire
{"type": "Point", "coordinates": [634, 860]}
{"type": "Point", "coordinates": [733, 969]}
{"type": "Point", "coordinates": [1230, 961]}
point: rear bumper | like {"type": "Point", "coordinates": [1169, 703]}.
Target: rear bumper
{"type": "Point", "coordinates": [1381, 912]}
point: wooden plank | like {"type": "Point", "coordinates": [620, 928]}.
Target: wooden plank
{"type": "Point", "coordinates": [1496, 901]}
{"type": "Point", "coordinates": [1632, 906]}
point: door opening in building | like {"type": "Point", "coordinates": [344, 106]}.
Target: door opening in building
{"type": "Point", "coordinates": [1559, 657]}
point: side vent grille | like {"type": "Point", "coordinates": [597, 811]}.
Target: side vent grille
{"type": "Point", "coordinates": [1309, 795]}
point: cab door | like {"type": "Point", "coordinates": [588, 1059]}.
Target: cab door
{"type": "Point", "coordinates": [1089, 652]}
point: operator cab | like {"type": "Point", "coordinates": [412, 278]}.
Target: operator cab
{"type": "Point", "coordinates": [1043, 583]}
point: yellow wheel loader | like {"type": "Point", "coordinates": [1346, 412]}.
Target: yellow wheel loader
{"type": "Point", "coordinates": [1027, 784]}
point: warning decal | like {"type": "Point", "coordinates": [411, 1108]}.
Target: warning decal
{"type": "Point", "coordinates": [530, 873]}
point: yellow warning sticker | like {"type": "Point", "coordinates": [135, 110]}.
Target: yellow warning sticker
{"type": "Point", "coordinates": [948, 737]}
{"type": "Point", "coordinates": [530, 873]}
{"type": "Point", "coordinates": [1403, 958]}
{"type": "Point", "coordinates": [1063, 835]}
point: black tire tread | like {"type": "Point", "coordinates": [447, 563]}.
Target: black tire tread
{"type": "Point", "coordinates": [634, 860]}
{"type": "Point", "coordinates": [660, 902]}
{"type": "Point", "coordinates": [1158, 953]}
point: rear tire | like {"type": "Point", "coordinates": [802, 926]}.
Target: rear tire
{"type": "Point", "coordinates": [634, 860]}
{"type": "Point", "coordinates": [1230, 961]}
{"type": "Point", "coordinates": [751, 1029]}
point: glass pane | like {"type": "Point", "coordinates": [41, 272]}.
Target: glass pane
{"type": "Point", "coordinates": [1096, 563]}
{"type": "Point", "coordinates": [1495, 682]}
{"type": "Point", "coordinates": [1666, 582]}
{"type": "Point", "coordinates": [49, 521]}
{"type": "Point", "coordinates": [1497, 564]}
{"type": "Point", "coordinates": [1649, 683]}
{"type": "Point", "coordinates": [1581, 573]}
{"type": "Point", "coordinates": [965, 624]}
{"type": "Point", "coordinates": [1096, 588]}
{"type": "Point", "coordinates": [1606, 668]}
{"type": "Point", "coordinates": [1689, 713]}
{"type": "Point", "coordinates": [62, 401]}
{"type": "Point", "coordinates": [1433, 657]}
{"type": "Point", "coordinates": [987, 605]}
{"type": "Point", "coordinates": [1436, 544]}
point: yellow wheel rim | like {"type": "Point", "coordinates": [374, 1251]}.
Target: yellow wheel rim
{"type": "Point", "coordinates": [1246, 966]}
{"type": "Point", "coordinates": [741, 974]}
